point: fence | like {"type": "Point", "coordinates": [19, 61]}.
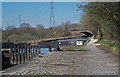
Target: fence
{"type": "Point", "coordinates": [19, 53]}
{"type": "Point", "coordinates": [13, 54]}
{"type": "Point", "coordinates": [23, 53]}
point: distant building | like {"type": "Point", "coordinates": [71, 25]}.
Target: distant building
{"type": "Point", "coordinates": [24, 25]}
{"type": "Point", "coordinates": [39, 27]}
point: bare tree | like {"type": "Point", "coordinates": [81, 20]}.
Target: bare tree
{"type": "Point", "coordinates": [10, 27]}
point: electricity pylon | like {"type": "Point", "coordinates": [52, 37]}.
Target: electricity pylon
{"type": "Point", "coordinates": [52, 17]}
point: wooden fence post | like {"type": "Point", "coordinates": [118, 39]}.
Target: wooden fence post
{"type": "Point", "coordinates": [39, 49]}
{"type": "Point", "coordinates": [25, 52]}
{"type": "Point", "coordinates": [50, 49]}
{"type": "Point", "coordinates": [16, 57]}
{"type": "Point", "coordinates": [32, 51]}
{"type": "Point", "coordinates": [18, 51]}
{"type": "Point", "coordinates": [12, 55]}
{"type": "Point", "coordinates": [28, 52]}
{"type": "Point", "coordinates": [22, 56]}
{"type": "Point", "coordinates": [36, 50]}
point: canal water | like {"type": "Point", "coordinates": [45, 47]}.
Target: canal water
{"type": "Point", "coordinates": [44, 50]}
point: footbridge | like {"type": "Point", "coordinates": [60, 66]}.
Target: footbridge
{"type": "Point", "coordinates": [87, 33]}
{"type": "Point", "coordinates": [83, 33]}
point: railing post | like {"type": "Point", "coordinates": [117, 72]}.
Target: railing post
{"type": "Point", "coordinates": [39, 49]}
{"type": "Point", "coordinates": [16, 57]}
{"type": "Point", "coordinates": [25, 52]}
{"type": "Point", "coordinates": [36, 50]}
{"type": "Point", "coordinates": [23, 49]}
{"type": "Point", "coordinates": [18, 50]}
{"type": "Point", "coordinates": [22, 56]}
{"type": "Point", "coordinates": [50, 49]}
{"type": "Point", "coordinates": [12, 55]}
{"type": "Point", "coordinates": [58, 48]}
{"type": "Point", "coordinates": [28, 52]}
{"type": "Point", "coordinates": [32, 51]}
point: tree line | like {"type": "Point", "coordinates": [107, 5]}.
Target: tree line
{"type": "Point", "coordinates": [103, 19]}
{"type": "Point", "coordinates": [26, 33]}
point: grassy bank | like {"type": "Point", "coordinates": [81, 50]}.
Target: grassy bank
{"type": "Point", "coordinates": [86, 42]}
{"type": "Point", "coordinates": [108, 46]}
{"type": "Point", "coordinates": [104, 41]}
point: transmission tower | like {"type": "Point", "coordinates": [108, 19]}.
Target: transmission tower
{"type": "Point", "coordinates": [52, 17]}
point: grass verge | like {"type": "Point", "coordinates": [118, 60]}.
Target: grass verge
{"type": "Point", "coordinates": [108, 46]}
{"type": "Point", "coordinates": [106, 42]}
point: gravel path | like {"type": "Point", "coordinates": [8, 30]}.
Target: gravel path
{"type": "Point", "coordinates": [91, 61]}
